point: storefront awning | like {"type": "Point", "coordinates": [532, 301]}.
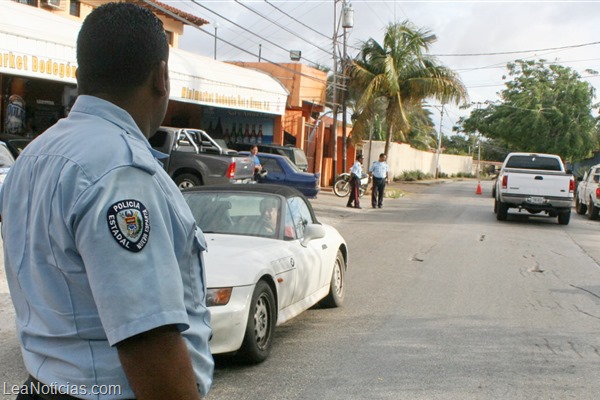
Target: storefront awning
{"type": "Point", "coordinates": [202, 80]}
{"type": "Point", "coordinates": [37, 44]}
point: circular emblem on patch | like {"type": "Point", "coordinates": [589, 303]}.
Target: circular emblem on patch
{"type": "Point", "coordinates": [129, 224]}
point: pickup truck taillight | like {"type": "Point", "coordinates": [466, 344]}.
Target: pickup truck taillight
{"type": "Point", "coordinates": [598, 193]}
{"type": "Point", "coordinates": [231, 171]}
{"type": "Point", "coordinates": [504, 181]}
{"type": "Point", "coordinates": [572, 186]}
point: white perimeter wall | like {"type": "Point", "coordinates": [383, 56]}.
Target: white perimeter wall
{"type": "Point", "coordinates": [402, 157]}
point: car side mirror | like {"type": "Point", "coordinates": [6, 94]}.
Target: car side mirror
{"type": "Point", "coordinates": [312, 231]}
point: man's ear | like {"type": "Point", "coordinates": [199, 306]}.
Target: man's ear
{"type": "Point", "coordinates": [160, 81]}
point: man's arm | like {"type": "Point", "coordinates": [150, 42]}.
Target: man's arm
{"type": "Point", "coordinates": [158, 365]}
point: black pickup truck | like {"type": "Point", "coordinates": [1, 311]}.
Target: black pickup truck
{"type": "Point", "coordinates": [194, 158]}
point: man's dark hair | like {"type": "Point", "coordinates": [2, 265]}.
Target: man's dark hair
{"type": "Point", "coordinates": [118, 46]}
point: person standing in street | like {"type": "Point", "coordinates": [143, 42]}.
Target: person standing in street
{"type": "Point", "coordinates": [379, 172]}
{"type": "Point", "coordinates": [102, 254]}
{"type": "Point", "coordinates": [355, 175]}
{"type": "Point", "coordinates": [257, 165]}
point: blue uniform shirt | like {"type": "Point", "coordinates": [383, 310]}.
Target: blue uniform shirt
{"type": "Point", "coordinates": [99, 246]}
{"type": "Point", "coordinates": [357, 169]}
{"type": "Point", "coordinates": [379, 169]}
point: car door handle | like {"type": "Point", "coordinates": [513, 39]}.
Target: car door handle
{"type": "Point", "coordinates": [539, 178]}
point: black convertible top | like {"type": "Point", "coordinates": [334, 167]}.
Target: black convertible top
{"type": "Point", "coordinates": [281, 190]}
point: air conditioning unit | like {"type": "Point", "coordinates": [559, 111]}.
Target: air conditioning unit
{"type": "Point", "coordinates": [51, 3]}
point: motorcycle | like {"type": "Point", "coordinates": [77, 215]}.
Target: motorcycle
{"type": "Point", "coordinates": [341, 187]}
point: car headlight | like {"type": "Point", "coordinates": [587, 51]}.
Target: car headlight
{"type": "Point", "coordinates": [218, 296]}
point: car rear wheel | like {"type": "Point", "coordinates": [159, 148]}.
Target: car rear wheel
{"type": "Point", "coordinates": [502, 213]}
{"type": "Point", "coordinates": [185, 181]}
{"type": "Point", "coordinates": [592, 210]}
{"type": "Point", "coordinates": [260, 328]}
{"type": "Point", "coordinates": [580, 207]}
{"type": "Point", "coordinates": [563, 218]}
{"type": "Point", "coordinates": [337, 285]}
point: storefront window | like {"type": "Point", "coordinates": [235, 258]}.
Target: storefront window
{"type": "Point", "coordinates": [74, 8]}
{"type": "Point", "coordinates": [28, 2]}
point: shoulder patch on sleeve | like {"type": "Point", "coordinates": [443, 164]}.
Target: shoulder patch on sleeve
{"type": "Point", "coordinates": [129, 224]}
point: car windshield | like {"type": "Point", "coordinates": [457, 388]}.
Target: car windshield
{"type": "Point", "coordinates": [300, 157]}
{"type": "Point", "coordinates": [534, 162]}
{"type": "Point", "coordinates": [6, 159]}
{"type": "Point", "coordinates": [248, 214]}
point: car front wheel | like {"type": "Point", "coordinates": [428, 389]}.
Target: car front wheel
{"type": "Point", "coordinates": [337, 285]}
{"type": "Point", "coordinates": [260, 328]}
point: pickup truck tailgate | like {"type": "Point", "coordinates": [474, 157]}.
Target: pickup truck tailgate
{"type": "Point", "coordinates": [537, 183]}
{"type": "Point", "coordinates": [244, 167]}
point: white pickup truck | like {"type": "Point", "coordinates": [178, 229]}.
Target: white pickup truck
{"type": "Point", "coordinates": [535, 183]}
{"type": "Point", "coordinates": [588, 193]}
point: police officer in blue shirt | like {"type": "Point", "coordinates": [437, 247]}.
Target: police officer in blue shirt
{"type": "Point", "coordinates": [355, 177]}
{"type": "Point", "coordinates": [102, 255]}
{"type": "Point", "coordinates": [379, 172]}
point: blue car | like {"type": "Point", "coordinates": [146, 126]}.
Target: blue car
{"type": "Point", "coordinates": [282, 171]}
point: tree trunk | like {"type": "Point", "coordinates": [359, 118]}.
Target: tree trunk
{"type": "Point", "coordinates": [388, 140]}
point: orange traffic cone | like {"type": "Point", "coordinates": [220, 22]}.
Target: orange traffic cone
{"type": "Point", "coordinates": [478, 191]}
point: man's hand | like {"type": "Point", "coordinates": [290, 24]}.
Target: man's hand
{"type": "Point", "coordinates": [158, 365]}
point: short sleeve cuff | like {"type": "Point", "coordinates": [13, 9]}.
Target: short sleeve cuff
{"type": "Point", "coordinates": [178, 318]}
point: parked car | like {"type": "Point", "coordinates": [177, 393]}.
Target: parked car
{"type": "Point", "coordinates": [14, 143]}
{"type": "Point", "coordinates": [295, 154]}
{"type": "Point", "coordinates": [282, 171]}
{"type": "Point", "coordinates": [535, 183]}
{"type": "Point", "coordinates": [269, 260]}
{"type": "Point", "coordinates": [587, 199]}
{"type": "Point", "coordinates": [6, 161]}
{"type": "Point", "coordinates": [194, 158]}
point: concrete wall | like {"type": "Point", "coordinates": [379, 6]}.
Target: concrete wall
{"type": "Point", "coordinates": [402, 157]}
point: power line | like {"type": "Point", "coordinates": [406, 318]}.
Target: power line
{"type": "Point", "coordinates": [245, 29]}
{"type": "Point", "coordinates": [516, 52]}
{"type": "Point", "coordinates": [281, 26]}
{"type": "Point", "coordinates": [177, 17]}
{"type": "Point", "coordinates": [293, 18]}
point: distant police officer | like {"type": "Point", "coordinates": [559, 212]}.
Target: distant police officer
{"type": "Point", "coordinates": [379, 171]}
{"type": "Point", "coordinates": [355, 176]}
{"type": "Point", "coordinates": [102, 255]}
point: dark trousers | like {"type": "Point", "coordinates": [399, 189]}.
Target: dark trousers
{"type": "Point", "coordinates": [354, 197]}
{"type": "Point", "coordinates": [377, 192]}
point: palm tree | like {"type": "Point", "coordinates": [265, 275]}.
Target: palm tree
{"type": "Point", "coordinates": [400, 72]}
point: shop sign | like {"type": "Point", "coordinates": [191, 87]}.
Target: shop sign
{"type": "Point", "coordinates": [35, 66]}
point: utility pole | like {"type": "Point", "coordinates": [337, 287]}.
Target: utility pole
{"type": "Point", "coordinates": [439, 149]}
{"type": "Point", "coordinates": [335, 89]}
{"type": "Point", "coordinates": [347, 23]}
{"type": "Point", "coordinates": [215, 49]}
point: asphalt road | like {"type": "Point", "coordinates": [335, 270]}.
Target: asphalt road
{"type": "Point", "coordinates": [443, 302]}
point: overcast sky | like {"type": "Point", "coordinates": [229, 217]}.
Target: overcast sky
{"type": "Point", "coordinates": [468, 32]}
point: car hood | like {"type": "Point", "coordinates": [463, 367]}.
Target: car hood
{"type": "Point", "coordinates": [234, 260]}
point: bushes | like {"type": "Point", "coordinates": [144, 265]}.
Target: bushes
{"type": "Point", "coordinates": [411, 176]}
{"type": "Point", "coordinates": [416, 175]}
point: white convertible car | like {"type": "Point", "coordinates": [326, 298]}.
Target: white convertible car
{"type": "Point", "coordinates": [268, 260]}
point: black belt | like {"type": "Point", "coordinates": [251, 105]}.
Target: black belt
{"type": "Point", "coordinates": [34, 387]}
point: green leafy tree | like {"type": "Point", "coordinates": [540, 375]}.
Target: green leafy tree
{"type": "Point", "coordinates": [401, 72]}
{"type": "Point", "coordinates": [544, 108]}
